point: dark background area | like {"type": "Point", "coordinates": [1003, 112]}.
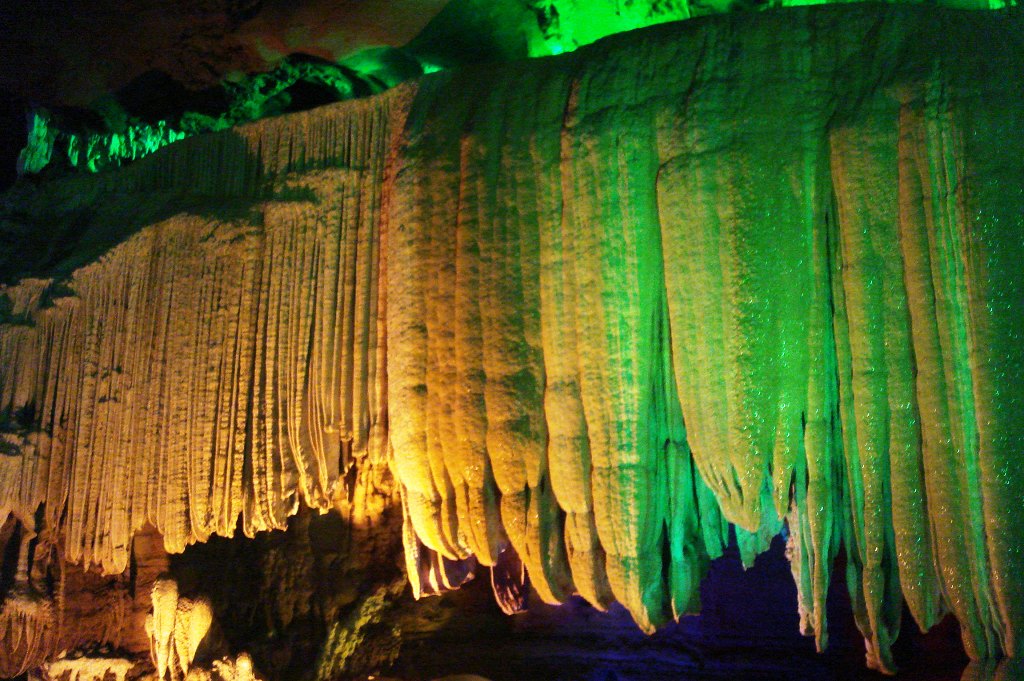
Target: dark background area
{"type": "Point", "coordinates": [13, 135]}
{"type": "Point", "coordinates": [747, 630]}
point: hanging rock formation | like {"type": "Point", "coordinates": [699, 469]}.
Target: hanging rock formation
{"type": "Point", "coordinates": [761, 272]}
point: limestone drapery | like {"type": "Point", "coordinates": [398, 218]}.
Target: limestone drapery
{"type": "Point", "coordinates": [595, 310]}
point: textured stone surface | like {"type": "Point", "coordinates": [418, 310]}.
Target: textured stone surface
{"type": "Point", "coordinates": [592, 310]}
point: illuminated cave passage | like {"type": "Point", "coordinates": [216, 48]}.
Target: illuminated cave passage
{"type": "Point", "coordinates": [580, 318]}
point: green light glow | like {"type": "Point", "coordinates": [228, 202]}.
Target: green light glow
{"type": "Point", "coordinates": [569, 24]}
{"type": "Point", "coordinates": [295, 84]}
{"type": "Point", "coordinates": [430, 68]}
{"type": "Point", "coordinates": [37, 152]}
{"type": "Point", "coordinates": [92, 151]}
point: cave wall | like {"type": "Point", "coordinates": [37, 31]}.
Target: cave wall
{"type": "Point", "coordinates": [760, 271]}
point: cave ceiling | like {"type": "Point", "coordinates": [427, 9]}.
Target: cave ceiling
{"type": "Point", "coordinates": [72, 53]}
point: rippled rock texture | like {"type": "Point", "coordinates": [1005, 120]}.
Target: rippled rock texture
{"type": "Point", "coordinates": [759, 272]}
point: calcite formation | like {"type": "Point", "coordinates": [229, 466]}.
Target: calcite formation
{"type": "Point", "coordinates": [597, 312]}
{"type": "Point", "coordinates": [176, 628]}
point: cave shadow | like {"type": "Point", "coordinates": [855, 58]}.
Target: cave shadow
{"type": "Point", "coordinates": [277, 595]}
{"type": "Point", "coordinates": [748, 629]}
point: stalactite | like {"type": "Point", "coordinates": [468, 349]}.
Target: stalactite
{"type": "Point", "coordinates": [750, 245]}
{"type": "Point", "coordinates": [28, 619]}
{"type": "Point", "coordinates": [169, 382]}
{"type": "Point", "coordinates": [597, 314]}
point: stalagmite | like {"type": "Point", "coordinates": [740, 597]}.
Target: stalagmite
{"type": "Point", "coordinates": [160, 626]}
{"type": "Point", "coordinates": [598, 314]}
{"type": "Point", "coordinates": [176, 627]}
